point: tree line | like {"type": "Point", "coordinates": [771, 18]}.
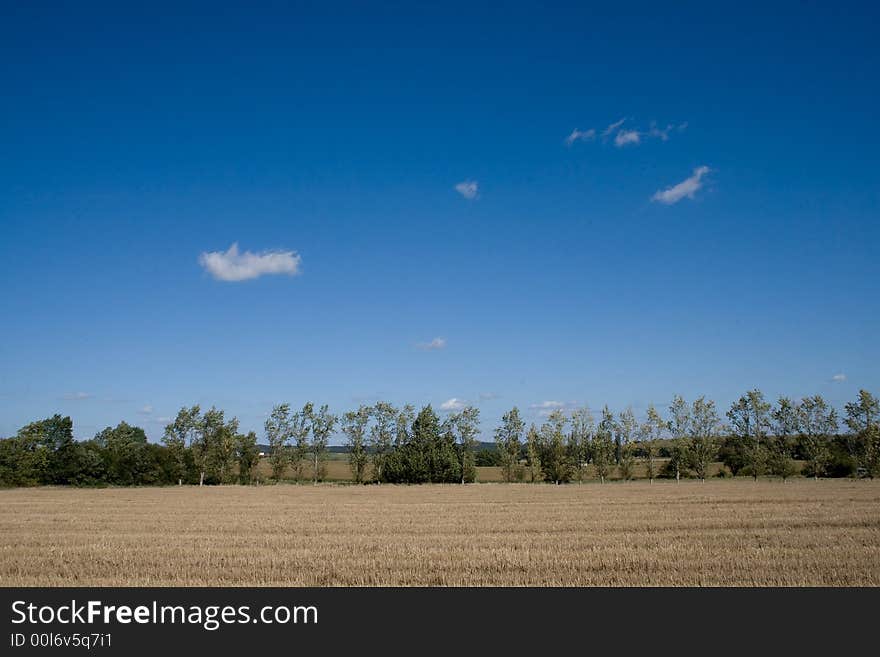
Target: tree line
{"type": "Point", "coordinates": [386, 444]}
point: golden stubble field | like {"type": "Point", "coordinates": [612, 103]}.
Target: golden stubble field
{"type": "Point", "coordinates": [714, 534]}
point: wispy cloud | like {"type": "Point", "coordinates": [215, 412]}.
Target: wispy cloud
{"type": "Point", "coordinates": [547, 406]}
{"type": "Point", "coordinates": [470, 189]}
{"type": "Point", "coordinates": [686, 188]}
{"type": "Point", "coordinates": [232, 265]}
{"type": "Point", "coordinates": [625, 137]}
{"type": "Point", "coordinates": [839, 378]}
{"type": "Point", "coordinates": [454, 404]}
{"type": "Point", "coordinates": [488, 396]}
{"type": "Point", "coordinates": [580, 135]}
{"type": "Point", "coordinates": [146, 410]}
{"type": "Point", "coordinates": [663, 133]}
{"type": "Point", "coordinates": [76, 396]}
{"type": "Point", "coordinates": [544, 408]}
{"type": "Point", "coordinates": [436, 343]}
{"type": "Point", "coordinates": [612, 128]}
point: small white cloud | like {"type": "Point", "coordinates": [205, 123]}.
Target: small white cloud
{"type": "Point", "coordinates": [454, 404]}
{"type": "Point", "coordinates": [661, 133]}
{"type": "Point", "coordinates": [547, 406]}
{"type": "Point", "coordinates": [686, 188]}
{"type": "Point", "coordinates": [231, 265]}
{"type": "Point", "coordinates": [436, 343]}
{"type": "Point", "coordinates": [164, 420]}
{"type": "Point", "coordinates": [146, 410]}
{"type": "Point", "coordinates": [611, 128]}
{"type": "Point", "coordinates": [488, 396]}
{"type": "Point", "coordinates": [470, 189]}
{"type": "Point", "coordinates": [76, 396]}
{"type": "Point", "coordinates": [625, 137]}
{"type": "Point", "coordinates": [580, 135]}
{"type": "Point", "coordinates": [839, 378]}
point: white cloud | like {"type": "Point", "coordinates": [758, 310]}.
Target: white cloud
{"type": "Point", "coordinates": [662, 134]}
{"type": "Point", "coordinates": [76, 396]}
{"type": "Point", "coordinates": [468, 188]}
{"type": "Point", "coordinates": [611, 128]}
{"type": "Point", "coordinates": [436, 343]}
{"type": "Point", "coordinates": [164, 420]}
{"type": "Point", "coordinates": [580, 135]}
{"type": "Point", "coordinates": [488, 396]}
{"type": "Point", "coordinates": [625, 137]}
{"type": "Point", "coordinates": [454, 404]}
{"type": "Point", "coordinates": [839, 378]}
{"type": "Point", "coordinates": [234, 266]}
{"type": "Point", "coordinates": [146, 410]}
{"type": "Point", "coordinates": [686, 188]}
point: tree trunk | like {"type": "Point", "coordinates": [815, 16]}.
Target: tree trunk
{"type": "Point", "coordinates": [201, 478]}
{"type": "Point", "coordinates": [180, 482]}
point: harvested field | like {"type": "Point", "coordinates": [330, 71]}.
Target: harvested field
{"type": "Point", "coordinates": [802, 532]}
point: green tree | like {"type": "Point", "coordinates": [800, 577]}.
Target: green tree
{"type": "Point", "coordinates": [555, 457]}
{"type": "Point", "coordinates": [127, 460]}
{"type": "Point", "coordinates": [627, 429]}
{"type": "Point", "coordinates": [817, 422]}
{"type": "Point", "coordinates": [703, 446]}
{"type": "Point", "coordinates": [582, 427]}
{"type": "Point", "coordinates": [382, 437]}
{"type": "Point", "coordinates": [323, 423]}
{"type": "Point", "coordinates": [651, 432]}
{"type": "Point", "coordinates": [223, 446]}
{"type": "Point", "coordinates": [602, 448]}
{"type": "Point", "coordinates": [300, 429]}
{"type": "Point", "coordinates": [279, 431]}
{"type": "Point", "coordinates": [785, 428]}
{"type": "Point", "coordinates": [247, 456]}
{"type": "Point", "coordinates": [750, 420]}
{"type": "Point", "coordinates": [864, 440]}
{"type": "Point", "coordinates": [466, 426]}
{"type": "Point", "coordinates": [679, 428]}
{"type": "Point", "coordinates": [508, 438]}
{"type": "Point", "coordinates": [354, 426]}
{"type": "Point", "coordinates": [179, 434]}
{"type": "Point", "coordinates": [533, 453]}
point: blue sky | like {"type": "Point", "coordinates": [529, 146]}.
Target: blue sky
{"type": "Point", "coordinates": [724, 236]}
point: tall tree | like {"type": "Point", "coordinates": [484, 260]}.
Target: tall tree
{"type": "Point", "coordinates": [817, 422]}
{"type": "Point", "coordinates": [300, 428]}
{"type": "Point", "coordinates": [382, 437]}
{"type": "Point", "coordinates": [247, 455]}
{"type": "Point", "coordinates": [627, 428]}
{"type": "Point", "coordinates": [323, 423]}
{"type": "Point", "coordinates": [602, 448]}
{"type": "Point", "coordinates": [533, 453]}
{"type": "Point", "coordinates": [508, 441]}
{"type": "Point", "coordinates": [225, 443]}
{"type": "Point", "coordinates": [864, 440]}
{"type": "Point", "coordinates": [785, 428]}
{"type": "Point", "coordinates": [679, 428]}
{"type": "Point", "coordinates": [582, 427]}
{"type": "Point", "coordinates": [703, 447]}
{"type": "Point", "coordinates": [750, 420]}
{"type": "Point", "coordinates": [466, 425]}
{"type": "Point", "coordinates": [651, 432]}
{"type": "Point", "coordinates": [555, 457]}
{"type": "Point", "coordinates": [126, 455]}
{"type": "Point", "coordinates": [180, 434]}
{"type": "Point", "coordinates": [354, 426]}
{"type": "Point", "coordinates": [279, 431]}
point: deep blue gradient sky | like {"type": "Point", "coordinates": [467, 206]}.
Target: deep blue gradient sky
{"type": "Point", "coordinates": [132, 140]}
